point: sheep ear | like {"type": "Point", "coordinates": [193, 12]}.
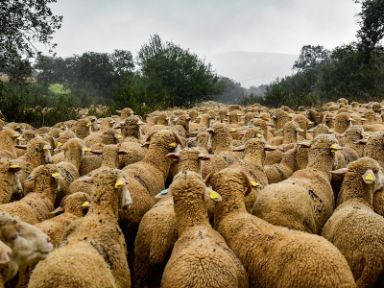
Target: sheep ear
{"type": "Point", "coordinates": [208, 179]}
{"type": "Point", "coordinates": [145, 144]}
{"type": "Point", "coordinates": [24, 147]}
{"type": "Point", "coordinates": [239, 148]}
{"type": "Point", "coordinates": [178, 140]}
{"type": "Point", "coordinates": [369, 177]}
{"type": "Point", "coordinates": [87, 179]}
{"type": "Point", "coordinates": [306, 144]}
{"type": "Point", "coordinates": [361, 141]}
{"type": "Point", "coordinates": [57, 211]}
{"type": "Point", "coordinates": [248, 183]}
{"type": "Point", "coordinates": [4, 254]}
{"type": "Point", "coordinates": [148, 139]}
{"type": "Point", "coordinates": [98, 152]}
{"type": "Point", "coordinates": [174, 156]}
{"type": "Point", "coordinates": [163, 193]}
{"type": "Point", "coordinates": [204, 157]}
{"type": "Point", "coordinates": [268, 147]}
{"type": "Point", "coordinates": [122, 152]}
{"type": "Point", "coordinates": [341, 171]}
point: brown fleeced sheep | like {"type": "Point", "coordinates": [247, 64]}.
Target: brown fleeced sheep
{"type": "Point", "coordinates": [342, 122]}
{"type": "Point", "coordinates": [284, 169]}
{"type": "Point", "coordinates": [133, 152]}
{"type": "Point", "coordinates": [73, 207]}
{"type": "Point", "coordinates": [157, 230]}
{"type": "Point", "coordinates": [8, 140]}
{"type": "Point", "coordinates": [107, 137]}
{"type": "Point", "coordinates": [374, 149]}
{"type": "Point", "coordinates": [279, 118]}
{"type": "Point", "coordinates": [37, 205]}
{"type": "Point", "coordinates": [353, 138]}
{"type": "Point", "coordinates": [94, 254]}
{"type": "Point", "coordinates": [320, 129]}
{"type": "Point", "coordinates": [153, 170]}
{"type": "Point", "coordinates": [37, 153]}
{"type": "Point", "coordinates": [354, 228]}
{"type": "Point", "coordinates": [10, 184]}
{"type": "Point", "coordinates": [305, 200]}
{"type": "Point", "coordinates": [28, 245]}
{"type": "Point", "coordinates": [200, 257]}
{"type": "Point", "coordinates": [254, 156]}
{"type": "Point", "coordinates": [273, 256]}
{"type": "Point", "coordinates": [82, 128]}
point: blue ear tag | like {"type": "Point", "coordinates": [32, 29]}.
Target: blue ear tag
{"type": "Point", "coordinates": [164, 192]}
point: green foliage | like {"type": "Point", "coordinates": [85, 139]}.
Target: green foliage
{"type": "Point", "coordinates": [310, 56]}
{"type": "Point", "coordinates": [173, 76]}
{"type": "Point", "coordinates": [371, 26]}
{"type": "Point", "coordinates": [21, 23]}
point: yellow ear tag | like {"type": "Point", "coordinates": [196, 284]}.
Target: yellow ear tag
{"type": "Point", "coordinates": [86, 149]}
{"type": "Point", "coordinates": [119, 183]}
{"type": "Point", "coordinates": [213, 195]}
{"type": "Point", "coordinates": [46, 147]}
{"type": "Point", "coordinates": [172, 145]}
{"type": "Point", "coordinates": [118, 136]}
{"type": "Point", "coordinates": [14, 166]}
{"type": "Point", "coordinates": [254, 184]}
{"type": "Point", "coordinates": [334, 147]}
{"type": "Point", "coordinates": [59, 144]}
{"type": "Point", "coordinates": [85, 204]}
{"type": "Point", "coordinates": [55, 175]}
{"type": "Point", "coordinates": [233, 129]}
{"type": "Point", "coordinates": [370, 178]}
{"type": "Point", "coordinates": [258, 135]}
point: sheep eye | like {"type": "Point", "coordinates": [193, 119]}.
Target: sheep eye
{"type": "Point", "coordinates": [14, 237]}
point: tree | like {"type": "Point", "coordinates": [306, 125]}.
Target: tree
{"type": "Point", "coordinates": [174, 76]}
{"type": "Point", "coordinates": [310, 56]}
{"type": "Point", "coordinates": [23, 22]}
{"type": "Point", "coordinates": [371, 30]}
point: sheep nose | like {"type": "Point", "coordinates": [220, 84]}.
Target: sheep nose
{"type": "Point", "coordinates": [49, 240]}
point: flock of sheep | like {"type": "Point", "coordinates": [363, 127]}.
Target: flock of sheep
{"type": "Point", "coordinates": [214, 196]}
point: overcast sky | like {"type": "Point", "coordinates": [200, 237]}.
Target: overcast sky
{"type": "Point", "coordinates": [206, 27]}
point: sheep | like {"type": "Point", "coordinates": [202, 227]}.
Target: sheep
{"type": "Point", "coordinates": [279, 118]}
{"type": "Point", "coordinates": [152, 171]}
{"type": "Point", "coordinates": [94, 252]}
{"type": "Point", "coordinates": [106, 137]}
{"type": "Point", "coordinates": [321, 129]}
{"type": "Point", "coordinates": [130, 128]}
{"type": "Point", "coordinates": [37, 153]}
{"type": "Point", "coordinates": [82, 128]}
{"type": "Point", "coordinates": [374, 149]}
{"type": "Point", "coordinates": [74, 206]}
{"type": "Point", "coordinates": [8, 139]}
{"type": "Point", "coordinates": [273, 256]}
{"type": "Point", "coordinates": [157, 230]}
{"type": "Point", "coordinates": [352, 138]}
{"type": "Point", "coordinates": [342, 122]}
{"type": "Point", "coordinates": [10, 181]}
{"type": "Point", "coordinates": [133, 152]}
{"type": "Point", "coordinates": [305, 200]}
{"type": "Point", "coordinates": [354, 228]}
{"type": "Point", "coordinates": [278, 172]}
{"type": "Point", "coordinates": [37, 205]}
{"type": "Point", "coordinates": [200, 257]}
{"type": "Point", "coordinates": [27, 244]}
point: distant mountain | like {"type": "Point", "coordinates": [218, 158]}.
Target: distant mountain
{"type": "Point", "coordinates": [253, 68]}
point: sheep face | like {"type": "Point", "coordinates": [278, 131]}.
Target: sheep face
{"type": "Point", "coordinates": [9, 172]}
{"type": "Point", "coordinates": [27, 242]}
{"type": "Point", "coordinates": [166, 139]}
